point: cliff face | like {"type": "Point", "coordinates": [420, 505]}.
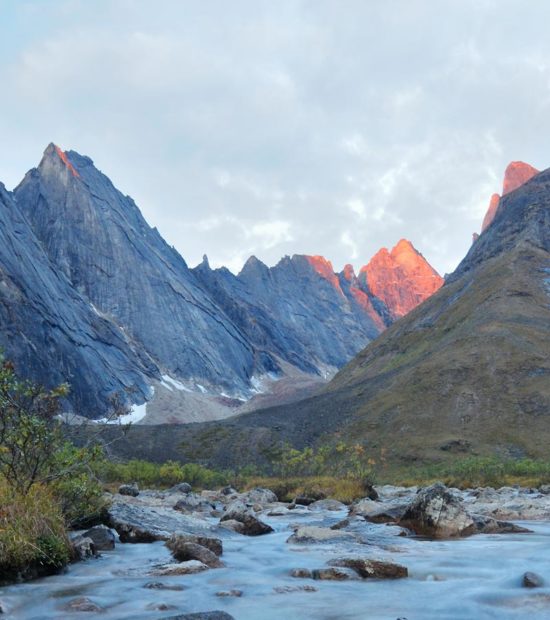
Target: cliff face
{"type": "Point", "coordinates": [401, 279]}
{"type": "Point", "coordinates": [149, 315]}
{"type": "Point", "coordinates": [52, 333]}
{"type": "Point", "coordinates": [99, 240]}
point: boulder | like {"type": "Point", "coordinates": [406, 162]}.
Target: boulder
{"type": "Point", "coordinates": [82, 548]}
{"type": "Point", "coordinates": [376, 512]}
{"type": "Point", "coordinates": [193, 503]}
{"type": "Point", "coordinates": [129, 489]}
{"type": "Point", "coordinates": [233, 526]}
{"type": "Point", "coordinates": [532, 580]}
{"type": "Point", "coordinates": [184, 551]}
{"type": "Point", "coordinates": [251, 526]}
{"type": "Point", "coordinates": [437, 513]}
{"type": "Point", "coordinates": [182, 487]}
{"type": "Point", "coordinates": [333, 573]}
{"type": "Point", "coordinates": [260, 496]}
{"type": "Point", "coordinates": [303, 500]}
{"type": "Point", "coordinates": [316, 534]}
{"type": "Point", "coordinates": [301, 573]}
{"type": "Point", "coordinates": [228, 490]}
{"type": "Point", "coordinates": [102, 537]}
{"type": "Point", "coordinates": [488, 525]}
{"type": "Point", "coordinates": [82, 604]}
{"type": "Point", "coordinates": [214, 544]}
{"type": "Point", "coordinates": [182, 568]}
{"type": "Point", "coordinates": [372, 569]}
{"type": "Point", "coordinates": [327, 504]}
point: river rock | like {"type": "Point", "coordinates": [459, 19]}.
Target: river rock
{"type": "Point", "coordinates": [251, 525]}
{"type": "Point", "coordinates": [102, 537]}
{"type": "Point", "coordinates": [193, 503]}
{"type": "Point", "coordinates": [327, 504]}
{"type": "Point", "coordinates": [436, 513]}
{"type": "Point", "coordinates": [260, 496]}
{"type": "Point", "coordinates": [129, 489]}
{"type": "Point", "coordinates": [214, 544]}
{"type": "Point", "coordinates": [303, 500]}
{"type": "Point", "coordinates": [184, 551]}
{"type": "Point", "coordinates": [182, 487]}
{"type": "Point", "coordinates": [334, 573]}
{"type": "Point", "coordinates": [532, 580]}
{"type": "Point", "coordinates": [203, 615]}
{"type": "Point", "coordinates": [82, 548]}
{"type": "Point", "coordinates": [316, 534]}
{"type": "Point", "coordinates": [228, 490]}
{"type": "Point", "coordinates": [372, 569]}
{"type": "Point", "coordinates": [488, 525]}
{"type": "Point", "coordinates": [159, 585]}
{"type": "Point", "coordinates": [82, 604]}
{"type": "Point", "coordinates": [147, 519]}
{"type": "Point", "coordinates": [288, 589]}
{"type": "Point", "coordinates": [160, 607]}
{"type": "Point", "coordinates": [372, 493]}
{"type": "Point", "coordinates": [229, 593]}
{"type": "Point", "coordinates": [182, 568]}
{"type": "Point", "coordinates": [301, 573]}
{"type": "Point", "coordinates": [376, 512]}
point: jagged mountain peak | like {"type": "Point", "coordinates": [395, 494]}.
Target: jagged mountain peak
{"type": "Point", "coordinates": [516, 174]}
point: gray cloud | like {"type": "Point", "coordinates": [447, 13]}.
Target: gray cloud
{"type": "Point", "coordinates": [285, 127]}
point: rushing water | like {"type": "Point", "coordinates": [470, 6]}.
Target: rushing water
{"type": "Point", "coordinates": [474, 578]}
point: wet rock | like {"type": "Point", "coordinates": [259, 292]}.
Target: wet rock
{"type": "Point", "coordinates": [327, 504]}
{"type": "Point", "coordinates": [214, 544]}
{"type": "Point", "coordinates": [372, 569]}
{"type": "Point", "coordinates": [436, 513]}
{"type": "Point", "coordinates": [532, 580]}
{"type": "Point", "coordinates": [129, 489]}
{"type": "Point", "coordinates": [137, 521]}
{"type": "Point", "coordinates": [316, 534]}
{"type": "Point", "coordinates": [102, 537]}
{"type": "Point", "coordinates": [288, 589]}
{"type": "Point", "coordinates": [303, 500]}
{"type": "Point", "coordinates": [260, 496]}
{"type": "Point", "coordinates": [488, 525]}
{"type": "Point", "coordinates": [251, 526]}
{"type": "Point", "coordinates": [371, 492]}
{"type": "Point", "coordinates": [301, 573]}
{"type": "Point", "coordinates": [376, 512]}
{"type": "Point", "coordinates": [229, 593]}
{"type": "Point", "coordinates": [229, 490]}
{"type": "Point", "coordinates": [193, 503]}
{"type": "Point", "coordinates": [182, 487]}
{"type": "Point", "coordinates": [232, 525]}
{"type": "Point", "coordinates": [544, 489]}
{"type": "Point", "coordinates": [160, 607]}
{"type": "Point", "coordinates": [184, 551]}
{"type": "Point", "coordinates": [183, 568]}
{"type": "Point", "coordinates": [333, 573]}
{"type": "Point", "coordinates": [341, 524]}
{"type": "Point", "coordinates": [82, 548]}
{"type": "Point", "coordinates": [203, 615]}
{"type": "Point", "coordinates": [82, 604]}
{"type": "Point", "coordinates": [159, 585]}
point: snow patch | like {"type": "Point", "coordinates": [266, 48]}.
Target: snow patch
{"type": "Point", "coordinates": [135, 415]}
{"type": "Point", "coordinates": [170, 383]}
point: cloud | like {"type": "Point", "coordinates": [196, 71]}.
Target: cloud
{"type": "Point", "coordinates": [281, 128]}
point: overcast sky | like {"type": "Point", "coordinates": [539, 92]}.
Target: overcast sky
{"type": "Point", "coordinates": [285, 126]}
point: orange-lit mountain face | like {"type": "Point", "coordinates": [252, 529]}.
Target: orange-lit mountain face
{"type": "Point", "coordinates": [516, 174]}
{"type": "Point", "coordinates": [402, 278]}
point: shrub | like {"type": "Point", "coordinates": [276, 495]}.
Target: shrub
{"type": "Point", "coordinates": [32, 533]}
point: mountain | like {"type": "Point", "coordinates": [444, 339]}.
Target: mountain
{"type": "Point", "coordinates": [204, 341]}
{"type": "Point", "coordinates": [99, 240]}
{"type": "Point", "coordinates": [516, 174]}
{"type": "Point", "coordinates": [468, 370]}
{"type": "Point", "coordinates": [52, 334]}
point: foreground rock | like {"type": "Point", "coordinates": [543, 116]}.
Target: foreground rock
{"type": "Point", "coordinates": [148, 519]}
{"type": "Point", "coordinates": [377, 512]}
{"type": "Point", "coordinates": [249, 524]}
{"type": "Point", "coordinates": [190, 567]}
{"type": "Point", "coordinates": [315, 534]}
{"type": "Point", "coordinates": [333, 573]}
{"type": "Point", "coordinates": [372, 569]}
{"type": "Point", "coordinates": [82, 548]}
{"type": "Point", "coordinates": [532, 580]}
{"type": "Point", "coordinates": [184, 551]}
{"type": "Point", "coordinates": [102, 537]}
{"type": "Point", "coordinates": [213, 544]}
{"type": "Point", "coordinates": [436, 513]}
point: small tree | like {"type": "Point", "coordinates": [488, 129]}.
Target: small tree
{"type": "Point", "coordinates": [30, 433]}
